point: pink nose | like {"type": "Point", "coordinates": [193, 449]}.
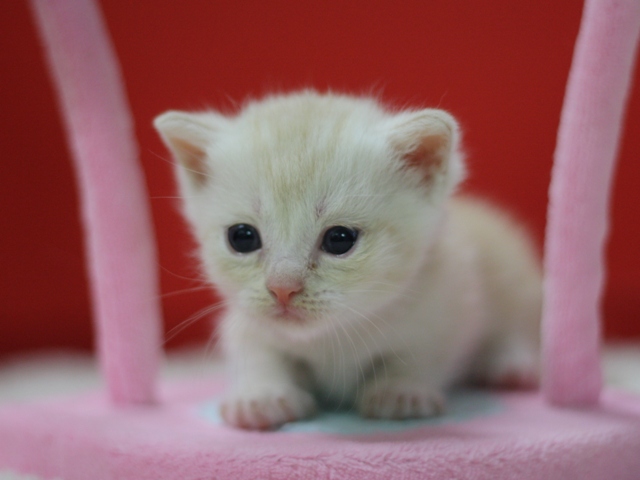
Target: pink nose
{"type": "Point", "coordinates": [284, 293]}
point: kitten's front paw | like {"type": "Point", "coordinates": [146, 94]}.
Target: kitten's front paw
{"type": "Point", "coordinates": [266, 409]}
{"type": "Point", "coordinates": [400, 400]}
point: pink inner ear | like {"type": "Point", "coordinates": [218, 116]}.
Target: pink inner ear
{"type": "Point", "coordinates": [429, 155]}
{"type": "Point", "coordinates": [193, 159]}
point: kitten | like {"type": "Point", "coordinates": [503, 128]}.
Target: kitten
{"type": "Point", "coordinates": [353, 278]}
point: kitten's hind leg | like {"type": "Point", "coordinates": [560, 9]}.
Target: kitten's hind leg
{"type": "Point", "coordinates": [509, 362]}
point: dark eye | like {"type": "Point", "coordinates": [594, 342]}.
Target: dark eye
{"type": "Point", "coordinates": [339, 240]}
{"type": "Point", "coordinates": [244, 238]}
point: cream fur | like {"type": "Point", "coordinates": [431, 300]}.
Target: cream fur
{"type": "Point", "coordinates": [435, 290]}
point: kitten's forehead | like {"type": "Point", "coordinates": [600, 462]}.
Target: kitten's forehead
{"type": "Point", "coordinates": [305, 149]}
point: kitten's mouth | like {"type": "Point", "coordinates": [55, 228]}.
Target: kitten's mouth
{"type": "Point", "coordinates": [288, 314]}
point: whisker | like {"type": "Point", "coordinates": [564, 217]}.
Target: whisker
{"type": "Point", "coordinates": [369, 195]}
{"type": "Point", "coordinates": [198, 280]}
{"type": "Point", "coordinates": [212, 346]}
{"type": "Point", "coordinates": [185, 290]}
{"type": "Point", "coordinates": [378, 328]}
{"type": "Point", "coordinates": [174, 197]}
{"type": "Point", "coordinates": [171, 334]}
{"type": "Point", "coordinates": [370, 356]}
{"type": "Point", "coordinates": [379, 282]}
{"type": "Point", "coordinates": [334, 356]}
{"type": "Point", "coordinates": [412, 297]}
{"type": "Point", "coordinates": [409, 349]}
{"type": "Point", "coordinates": [355, 361]}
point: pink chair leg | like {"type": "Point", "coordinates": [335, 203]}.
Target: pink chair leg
{"type": "Point", "coordinates": [577, 223]}
{"type": "Point", "coordinates": [120, 246]}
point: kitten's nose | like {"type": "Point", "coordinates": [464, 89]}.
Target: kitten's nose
{"type": "Point", "coordinates": [284, 293]}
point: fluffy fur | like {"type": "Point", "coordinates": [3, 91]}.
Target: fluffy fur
{"type": "Point", "coordinates": [436, 290]}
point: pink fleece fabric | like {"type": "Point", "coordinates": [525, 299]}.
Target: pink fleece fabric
{"type": "Point", "coordinates": [120, 245]}
{"type": "Point", "coordinates": [578, 216]}
{"type": "Point", "coordinates": [513, 436]}
{"type": "Point", "coordinates": [496, 437]}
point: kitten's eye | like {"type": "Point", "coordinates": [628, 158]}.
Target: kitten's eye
{"type": "Point", "coordinates": [339, 240]}
{"type": "Point", "coordinates": [244, 238]}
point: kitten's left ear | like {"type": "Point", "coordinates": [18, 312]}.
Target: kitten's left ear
{"type": "Point", "coordinates": [428, 140]}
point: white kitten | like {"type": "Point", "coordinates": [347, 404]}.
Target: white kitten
{"type": "Point", "coordinates": [352, 276]}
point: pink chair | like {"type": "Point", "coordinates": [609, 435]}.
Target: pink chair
{"type": "Point", "coordinates": [138, 431]}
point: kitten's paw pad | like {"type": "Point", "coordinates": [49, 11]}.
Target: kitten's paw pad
{"type": "Point", "coordinates": [267, 410]}
{"type": "Point", "coordinates": [401, 402]}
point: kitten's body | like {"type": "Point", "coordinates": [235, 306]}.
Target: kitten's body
{"type": "Point", "coordinates": [433, 290]}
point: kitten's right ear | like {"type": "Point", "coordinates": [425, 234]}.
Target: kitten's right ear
{"type": "Point", "coordinates": [187, 136]}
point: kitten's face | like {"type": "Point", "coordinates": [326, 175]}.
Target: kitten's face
{"type": "Point", "coordinates": [305, 209]}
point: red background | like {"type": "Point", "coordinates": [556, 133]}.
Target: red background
{"type": "Point", "coordinates": [500, 66]}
